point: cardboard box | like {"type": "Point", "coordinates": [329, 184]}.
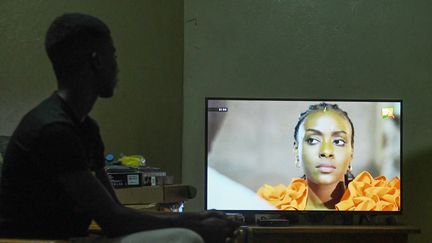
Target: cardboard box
{"type": "Point", "coordinates": [126, 179]}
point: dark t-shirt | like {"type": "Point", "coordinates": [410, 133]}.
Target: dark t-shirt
{"type": "Point", "coordinates": [48, 142]}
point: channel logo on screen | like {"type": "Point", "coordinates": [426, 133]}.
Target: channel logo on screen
{"type": "Point", "coordinates": [387, 112]}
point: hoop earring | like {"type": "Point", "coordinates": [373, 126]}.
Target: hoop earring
{"type": "Point", "coordinates": [349, 176]}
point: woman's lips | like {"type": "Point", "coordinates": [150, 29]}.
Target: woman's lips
{"type": "Point", "coordinates": [325, 168]}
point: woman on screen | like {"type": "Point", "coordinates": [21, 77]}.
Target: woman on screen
{"type": "Point", "coordinates": [324, 147]}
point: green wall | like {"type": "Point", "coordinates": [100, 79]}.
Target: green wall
{"type": "Point", "coordinates": [275, 48]}
{"type": "Point", "coordinates": [145, 115]}
{"type": "Point", "coordinates": [314, 49]}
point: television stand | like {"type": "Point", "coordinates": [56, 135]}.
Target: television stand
{"type": "Point", "coordinates": [328, 233]}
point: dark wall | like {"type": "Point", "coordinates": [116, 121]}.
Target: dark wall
{"type": "Point", "coordinates": [145, 115]}
{"type": "Point", "coordinates": [314, 49]}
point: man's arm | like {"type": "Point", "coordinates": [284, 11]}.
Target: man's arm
{"type": "Point", "coordinates": [114, 219]}
{"type": "Point", "coordinates": [117, 220]}
{"type": "Point", "coordinates": [63, 157]}
{"type": "Point", "coordinates": [106, 182]}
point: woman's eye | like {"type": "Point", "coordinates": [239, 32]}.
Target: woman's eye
{"type": "Point", "coordinates": [339, 142]}
{"type": "Point", "coordinates": [312, 141]}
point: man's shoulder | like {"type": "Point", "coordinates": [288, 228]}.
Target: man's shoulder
{"type": "Point", "coordinates": [49, 111]}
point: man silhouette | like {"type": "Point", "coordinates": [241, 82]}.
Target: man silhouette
{"type": "Point", "coordinates": [53, 179]}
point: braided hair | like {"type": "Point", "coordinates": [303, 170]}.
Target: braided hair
{"type": "Point", "coordinates": [323, 107]}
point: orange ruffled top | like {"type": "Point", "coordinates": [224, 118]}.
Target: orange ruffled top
{"type": "Point", "coordinates": [364, 193]}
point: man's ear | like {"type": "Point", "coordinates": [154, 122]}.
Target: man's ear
{"type": "Point", "coordinates": [95, 61]}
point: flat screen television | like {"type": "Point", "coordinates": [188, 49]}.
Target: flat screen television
{"type": "Point", "coordinates": [285, 155]}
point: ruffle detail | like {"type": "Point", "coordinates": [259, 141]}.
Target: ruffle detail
{"type": "Point", "coordinates": [291, 197]}
{"type": "Point", "coordinates": [366, 193]}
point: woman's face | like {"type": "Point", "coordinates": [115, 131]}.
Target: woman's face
{"type": "Point", "coordinates": [324, 146]}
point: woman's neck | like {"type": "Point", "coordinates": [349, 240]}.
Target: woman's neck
{"type": "Point", "coordinates": [324, 197]}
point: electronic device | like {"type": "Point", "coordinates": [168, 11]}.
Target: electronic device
{"type": "Point", "coordinates": [250, 143]}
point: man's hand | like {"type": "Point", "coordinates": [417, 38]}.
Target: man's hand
{"type": "Point", "coordinates": [212, 226]}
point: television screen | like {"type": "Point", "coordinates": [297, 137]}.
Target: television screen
{"type": "Point", "coordinates": [303, 155]}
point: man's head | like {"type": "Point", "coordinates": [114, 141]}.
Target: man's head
{"type": "Point", "coordinates": [82, 53]}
